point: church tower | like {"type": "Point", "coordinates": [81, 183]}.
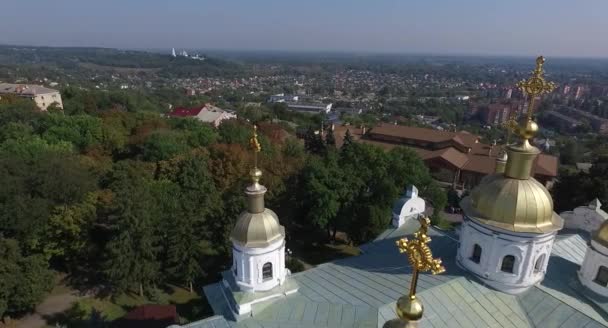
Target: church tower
{"type": "Point", "coordinates": [258, 239]}
{"type": "Point", "coordinates": [593, 273]}
{"type": "Point", "coordinates": [509, 224]}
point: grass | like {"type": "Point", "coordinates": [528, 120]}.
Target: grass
{"type": "Point", "coordinates": [108, 310]}
{"type": "Point", "coordinates": [311, 250]}
{"type": "Point", "coordinates": [190, 306]}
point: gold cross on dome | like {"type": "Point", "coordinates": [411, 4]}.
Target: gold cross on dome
{"type": "Point", "coordinates": [419, 254]}
{"type": "Point", "coordinates": [535, 85]}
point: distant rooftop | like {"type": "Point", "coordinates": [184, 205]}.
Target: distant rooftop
{"type": "Point", "coordinates": [24, 89]}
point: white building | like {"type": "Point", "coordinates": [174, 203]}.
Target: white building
{"type": "Point", "coordinates": [281, 98]}
{"type": "Point", "coordinates": [42, 96]}
{"type": "Point", "coordinates": [258, 241]}
{"type": "Point", "coordinates": [258, 253]}
{"type": "Point", "coordinates": [310, 108]}
{"type": "Point", "coordinates": [206, 113]}
{"type": "Point", "coordinates": [509, 225]}
{"type": "Point", "coordinates": [408, 207]}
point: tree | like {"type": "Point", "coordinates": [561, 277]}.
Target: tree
{"type": "Point", "coordinates": [322, 191]}
{"type": "Point", "coordinates": [348, 138]}
{"type": "Point", "coordinates": [66, 235]}
{"type": "Point", "coordinates": [330, 139]}
{"type": "Point", "coordinates": [132, 252]}
{"type": "Point", "coordinates": [24, 280]}
{"type": "Point", "coordinates": [313, 142]}
{"type": "Point", "coordinates": [193, 207]}
{"type": "Point", "coordinates": [570, 153]}
{"type": "Point", "coordinates": [163, 145]}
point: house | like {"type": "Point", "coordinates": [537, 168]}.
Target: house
{"type": "Point", "coordinates": [206, 113]}
{"type": "Point", "coordinates": [42, 96]}
{"type": "Point", "coordinates": [458, 158]}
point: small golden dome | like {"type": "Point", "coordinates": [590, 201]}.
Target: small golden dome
{"type": "Point", "coordinates": [520, 205]}
{"type": "Point", "coordinates": [601, 234]}
{"type": "Point", "coordinates": [409, 308]}
{"type": "Point", "coordinates": [257, 229]}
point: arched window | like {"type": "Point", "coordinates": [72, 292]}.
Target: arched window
{"type": "Point", "coordinates": [538, 266]}
{"type": "Point", "coordinates": [508, 262]}
{"type": "Point", "coordinates": [476, 256]}
{"type": "Point", "coordinates": [267, 271]}
{"type": "Point", "coordinates": [602, 276]}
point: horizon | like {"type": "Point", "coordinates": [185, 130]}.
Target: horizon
{"type": "Point", "coordinates": [311, 52]}
{"type": "Point", "coordinates": [557, 28]}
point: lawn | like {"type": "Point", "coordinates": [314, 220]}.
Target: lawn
{"type": "Point", "coordinates": [190, 307]}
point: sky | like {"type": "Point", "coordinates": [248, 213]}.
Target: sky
{"type": "Point", "coordinates": [568, 28]}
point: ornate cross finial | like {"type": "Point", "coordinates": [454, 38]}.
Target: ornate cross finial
{"type": "Point", "coordinates": [536, 85]}
{"type": "Point", "coordinates": [254, 144]}
{"type": "Point", "coordinates": [421, 259]}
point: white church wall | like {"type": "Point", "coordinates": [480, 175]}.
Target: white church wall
{"type": "Point", "coordinates": [495, 246]}
{"type": "Point", "coordinates": [250, 263]}
{"type": "Point", "coordinates": [595, 258]}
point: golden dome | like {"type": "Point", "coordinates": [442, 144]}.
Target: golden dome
{"type": "Point", "coordinates": [512, 204]}
{"type": "Point", "coordinates": [601, 234]}
{"type": "Point", "coordinates": [409, 308]}
{"type": "Point", "coordinates": [257, 229]}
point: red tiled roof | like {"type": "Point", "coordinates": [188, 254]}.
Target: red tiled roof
{"type": "Point", "coordinates": [423, 134]}
{"type": "Point", "coordinates": [480, 159]}
{"type": "Point", "coordinates": [152, 312]}
{"type": "Point", "coordinates": [450, 155]}
{"type": "Point", "coordinates": [185, 112]}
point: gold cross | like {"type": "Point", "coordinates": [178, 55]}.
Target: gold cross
{"type": "Point", "coordinates": [535, 86]}
{"type": "Point", "coordinates": [255, 173]}
{"type": "Point", "coordinates": [419, 255]}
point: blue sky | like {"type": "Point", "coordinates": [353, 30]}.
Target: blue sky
{"type": "Point", "coordinates": [496, 27]}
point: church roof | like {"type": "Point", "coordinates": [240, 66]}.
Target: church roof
{"type": "Point", "coordinates": [361, 291]}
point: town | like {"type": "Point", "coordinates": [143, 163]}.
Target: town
{"type": "Point", "coordinates": [286, 165]}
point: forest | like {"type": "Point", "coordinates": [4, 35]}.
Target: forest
{"type": "Point", "coordinates": [120, 199]}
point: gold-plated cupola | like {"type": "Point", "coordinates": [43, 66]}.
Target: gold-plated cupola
{"type": "Point", "coordinates": [513, 200]}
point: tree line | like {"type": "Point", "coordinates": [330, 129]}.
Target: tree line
{"type": "Point", "coordinates": [123, 200]}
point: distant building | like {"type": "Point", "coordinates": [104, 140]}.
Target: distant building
{"type": "Point", "coordinates": [580, 91]}
{"type": "Point", "coordinates": [190, 92]}
{"type": "Point", "coordinates": [309, 108]}
{"type": "Point", "coordinates": [173, 52]}
{"type": "Point", "coordinates": [42, 96]}
{"type": "Point", "coordinates": [561, 122]}
{"type": "Point", "coordinates": [457, 158]}
{"type": "Point", "coordinates": [498, 113]}
{"type": "Point", "coordinates": [206, 113]}
{"type": "Point", "coordinates": [599, 124]}
{"type": "Point", "coordinates": [281, 98]}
